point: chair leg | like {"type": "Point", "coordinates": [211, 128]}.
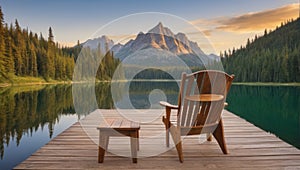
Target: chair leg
{"type": "Point", "coordinates": [166, 121]}
{"type": "Point", "coordinates": [209, 137]}
{"type": "Point", "coordinates": [167, 137]}
{"type": "Point", "coordinates": [167, 126]}
{"type": "Point", "coordinates": [219, 135]}
{"type": "Point", "coordinates": [175, 133]}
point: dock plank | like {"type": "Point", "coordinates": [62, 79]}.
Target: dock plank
{"type": "Point", "coordinates": [249, 148]}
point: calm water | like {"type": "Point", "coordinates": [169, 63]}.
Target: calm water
{"type": "Point", "coordinates": [32, 116]}
{"type": "Point", "coordinates": [275, 109]}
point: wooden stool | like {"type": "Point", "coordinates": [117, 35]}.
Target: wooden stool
{"type": "Point", "coordinates": [118, 127]}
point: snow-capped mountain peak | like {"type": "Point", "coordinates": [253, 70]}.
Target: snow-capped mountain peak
{"type": "Point", "coordinates": [160, 39]}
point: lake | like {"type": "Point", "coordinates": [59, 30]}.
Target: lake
{"type": "Point", "coordinates": [33, 115]}
{"type": "Point", "coordinates": [275, 109]}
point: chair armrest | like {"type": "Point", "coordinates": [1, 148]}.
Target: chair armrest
{"type": "Point", "coordinates": [168, 105]}
{"type": "Point", "coordinates": [225, 104]}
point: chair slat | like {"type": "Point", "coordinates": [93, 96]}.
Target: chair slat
{"type": "Point", "coordinates": [186, 103]}
{"type": "Point", "coordinates": [190, 114]}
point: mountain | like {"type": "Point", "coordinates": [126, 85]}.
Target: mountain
{"type": "Point", "coordinates": [273, 57]}
{"type": "Point", "coordinates": [159, 44]}
{"type": "Point", "coordinates": [161, 40]}
{"type": "Point", "coordinates": [104, 42]}
{"type": "Point", "coordinates": [214, 57]}
{"type": "Point", "coordinates": [116, 48]}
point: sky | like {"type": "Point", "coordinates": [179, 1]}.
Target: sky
{"type": "Point", "coordinates": [224, 23]}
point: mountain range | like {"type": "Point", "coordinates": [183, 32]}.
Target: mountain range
{"type": "Point", "coordinates": [159, 45]}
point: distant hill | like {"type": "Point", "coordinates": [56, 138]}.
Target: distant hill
{"type": "Point", "coordinates": [273, 57]}
{"type": "Point", "coordinates": [104, 42]}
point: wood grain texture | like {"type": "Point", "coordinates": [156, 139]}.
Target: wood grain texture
{"type": "Point", "coordinates": [249, 148]}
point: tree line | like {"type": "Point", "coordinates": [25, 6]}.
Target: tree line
{"type": "Point", "coordinates": [24, 53]}
{"type": "Point", "coordinates": [95, 63]}
{"type": "Point", "coordinates": [273, 57]}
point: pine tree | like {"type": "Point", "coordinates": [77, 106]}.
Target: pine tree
{"type": "Point", "coordinates": [9, 63]}
{"type": "Point", "coordinates": [32, 62]}
{"type": "Point", "coordinates": [17, 49]}
{"type": "Point", "coordinates": [2, 47]}
{"type": "Point", "coordinates": [50, 68]}
{"type": "Point", "coordinates": [33, 58]}
{"type": "Point", "coordinates": [26, 53]}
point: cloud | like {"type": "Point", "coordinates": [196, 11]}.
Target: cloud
{"type": "Point", "coordinates": [249, 22]}
{"type": "Point", "coordinates": [205, 22]}
{"type": "Point", "coordinates": [258, 21]}
{"type": "Point", "coordinates": [66, 44]}
{"type": "Point", "coordinates": [122, 38]}
{"type": "Point", "coordinates": [233, 31]}
{"type": "Point", "coordinates": [207, 32]}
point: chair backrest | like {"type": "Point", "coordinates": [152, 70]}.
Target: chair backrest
{"type": "Point", "coordinates": [199, 113]}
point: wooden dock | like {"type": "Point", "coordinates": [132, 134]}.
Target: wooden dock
{"type": "Point", "coordinates": [249, 148]}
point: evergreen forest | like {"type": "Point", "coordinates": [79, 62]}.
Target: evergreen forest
{"type": "Point", "coordinates": [273, 57]}
{"type": "Point", "coordinates": [27, 54]}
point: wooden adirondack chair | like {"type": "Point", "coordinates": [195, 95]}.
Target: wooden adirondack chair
{"type": "Point", "coordinates": [200, 104]}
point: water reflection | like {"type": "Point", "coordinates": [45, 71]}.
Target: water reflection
{"type": "Point", "coordinates": [144, 94]}
{"type": "Point", "coordinates": [25, 109]}
{"type": "Point", "coordinates": [140, 93]}
{"type": "Point", "coordinates": [275, 109]}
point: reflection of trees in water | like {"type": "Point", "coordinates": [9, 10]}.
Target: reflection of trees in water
{"type": "Point", "coordinates": [84, 97]}
{"type": "Point", "coordinates": [273, 108]}
{"type": "Point", "coordinates": [23, 112]}
{"type": "Point", "coordinates": [139, 92]}
{"type": "Point", "coordinates": [103, 95]}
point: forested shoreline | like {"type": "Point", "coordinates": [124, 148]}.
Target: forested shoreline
{"type": "Point", "coordinates": [273, 57]}
{"type": "Point", "coordinates": [26, 56]}
{"type": "Point", "coordinates": [24, 53]}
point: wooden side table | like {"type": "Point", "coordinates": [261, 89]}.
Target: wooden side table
{"type": "Point", "coordinates": [118, 127]}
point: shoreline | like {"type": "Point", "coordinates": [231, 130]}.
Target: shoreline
{"type": "Point", "coordinates": [266, 84]}
{"type": "Point", "coordinates": [3, 85]}
{"type": "Point", "coordinates": [33, 83]}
